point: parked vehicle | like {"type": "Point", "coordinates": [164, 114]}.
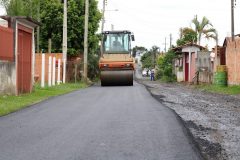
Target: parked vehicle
{"type": "Point", "coordinates": [144, 73]}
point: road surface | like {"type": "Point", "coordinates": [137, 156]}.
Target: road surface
{"type": "Point", "coordinates": [97, 123]}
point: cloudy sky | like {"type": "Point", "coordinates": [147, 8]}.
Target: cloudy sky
{"type": "Point", "coordinates": [153, 20]}
{"type": "Point", "coordinates": [1, 10]}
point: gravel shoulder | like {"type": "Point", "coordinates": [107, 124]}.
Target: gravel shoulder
{"type": "Point", "coordinates": [212, 119]}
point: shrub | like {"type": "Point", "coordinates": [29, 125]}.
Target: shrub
{"type": "Point", "coordinates": [165, 67]}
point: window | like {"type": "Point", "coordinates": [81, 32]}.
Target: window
{"type": "Point", "coordinates": [117, 43]}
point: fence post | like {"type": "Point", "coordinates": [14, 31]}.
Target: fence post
{"type": "Point", "coordinates": [58, 76]}
{"type": "Point", "coordinates": [43, 71]}
{"type": "Point", "coordinates": [50, 71]}
{"type": "Point", "coordinates": [75, 72]}
{"type": "Point", "coordinates": [54, 71]}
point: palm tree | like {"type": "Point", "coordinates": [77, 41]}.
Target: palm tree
{"type": "Point", "coordinates": [204, 28]}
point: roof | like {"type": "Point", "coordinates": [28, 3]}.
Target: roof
{"type": "Point", "coordinates": [3, 23]}
{"type": "Point", "coordinates": [27, 20]}
{"type": "Point", "coordinates": [179, 48]}
{"type": "Point", "coordinates": [114, 32]}
{"type": "Point", "coordinates": [228, 39]}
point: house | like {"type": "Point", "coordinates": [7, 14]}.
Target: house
{"type": "Point", "coordinates": [185, 63]}
{"type": "Point", "coordinates": [3, 23]}
{"type": "Point", "coordinates": [17, 51]}
{"type": "Point", "coordinates": [220, 56]}
{"type": "Point", "coordinates": [229, 54]}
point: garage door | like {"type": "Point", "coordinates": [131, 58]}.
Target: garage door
{"type": "Point", "coordinates": [24, 67]}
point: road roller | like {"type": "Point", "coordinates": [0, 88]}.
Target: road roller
{"type": "Point", "coordinates": [116, 63]}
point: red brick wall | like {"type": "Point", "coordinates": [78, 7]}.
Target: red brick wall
{"type": "Point", "coordinates": [38, 65]}
{"type": "Point", "coordinates": [6, 44]}
{"type": "Point", "coordinates": [233, 61]}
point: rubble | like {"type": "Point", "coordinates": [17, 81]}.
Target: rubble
{"type": "Point", "coordinates": [213, 119]}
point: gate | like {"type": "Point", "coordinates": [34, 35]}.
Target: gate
{"type": "Point", "coordinates": [24, 68]}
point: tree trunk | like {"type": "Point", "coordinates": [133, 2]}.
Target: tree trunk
{"type": "Point", "coordinates": [49, 45]}
{"type": "Point", "coordinates": [199, 39]}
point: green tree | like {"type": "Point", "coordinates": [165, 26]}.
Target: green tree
{"type": "Point", "coordinates": [51, 15]}
{"type": "Point", "coordinates": [21, 7]}
{"type": "Point", "coordinates": [165, 67]}
{"type": "Point", "coordinates": [149, 58]}
{"type": "Point", "coordinates": [204, 28]}
{"type": "Point", "coordinates": [138, 49]}
{"type": "Point", "coordinates": [187, 35]}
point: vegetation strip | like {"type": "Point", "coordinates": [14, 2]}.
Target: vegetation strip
{"type": "Point", "coordinates": [231, 90]}
{"type": "Point", "coordinates": [9, 104]}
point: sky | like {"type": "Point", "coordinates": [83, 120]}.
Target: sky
{"type": "Point", "coordinates": [152, 21]}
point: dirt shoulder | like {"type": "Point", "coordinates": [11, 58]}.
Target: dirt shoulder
{"type": "Point", "coordinates": [212, 119]}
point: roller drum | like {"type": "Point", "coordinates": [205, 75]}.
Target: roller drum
{"type": "Point", "coordinates": [112, 78]}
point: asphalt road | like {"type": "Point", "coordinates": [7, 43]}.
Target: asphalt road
{"type": "Point", "coordinates": [97, 123]}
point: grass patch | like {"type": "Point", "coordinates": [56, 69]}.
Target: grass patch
{"type": "Point", "coordinates": [10, 104]}
{"type": "Point", "coordinates": [167, 79]}
{"type": "Point", "coordinates": [231, 90]}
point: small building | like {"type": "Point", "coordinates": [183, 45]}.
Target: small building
{"type": "Point", "coordinates": [231, 51]}
{"type": "Point", "coordinates": [219, 56]}
{"type": "Point", "coordinates": [17, 51]}
{"type": "Point", "coordinates": [185, 63]}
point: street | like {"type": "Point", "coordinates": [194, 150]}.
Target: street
{"type": "Point", "coordinates": [97, 123]}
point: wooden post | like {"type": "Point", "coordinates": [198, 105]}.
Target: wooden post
{"type": "Point", "coordinates": [58, 75]}
{"type": "Point", "coordinates": [43, 71]}
{"type": "Point", "coordinates": [50, 71]}
{"type": "Point", "coordinates": [54, 71]}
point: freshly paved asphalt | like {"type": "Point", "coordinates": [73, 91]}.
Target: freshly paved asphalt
{"type": "Point", "coordinates": [97, 123]}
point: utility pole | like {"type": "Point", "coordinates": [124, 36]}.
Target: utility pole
{"type": "Point", "coordinates": [86, 40]}
{"type": "Point", "coordinates": [165, 45]}
{"type": "Point", "coordinates": [103, 21]}
{"type": "Point", "coordinates": [112, 27]}
{"type": "Point", "coordinates": [64, 58]}
{"type": "Point", "coordinates": [38, 28]}
{"type": "Point", "coordinates": [154, 56]}
{"type": "Point", "coordinates": [170, 40]}
{"type": "Point", "coordinates": [232, 17]}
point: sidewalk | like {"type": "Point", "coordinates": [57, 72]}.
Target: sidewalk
{"type": "Point", "coordinates": [212, 119]}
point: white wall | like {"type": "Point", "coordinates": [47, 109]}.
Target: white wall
{"type": "Point", "coordinates": [7, 77]}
